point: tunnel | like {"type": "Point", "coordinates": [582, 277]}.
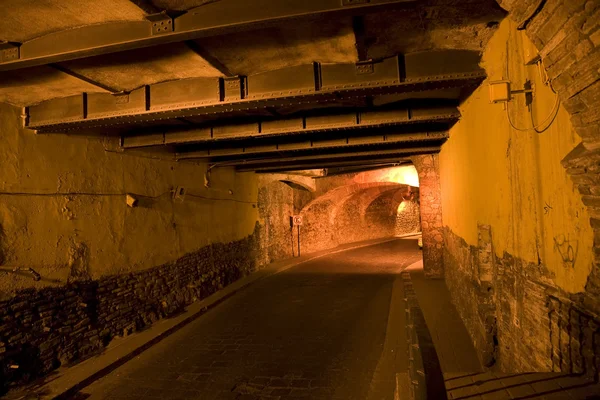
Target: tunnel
{"type": "Point", "coordinates": [317, 199]}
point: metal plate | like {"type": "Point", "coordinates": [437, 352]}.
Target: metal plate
{"type": "Point", "coordinates": [357, 140]}
{"type": "Point", "coordinates": [329, 142]}
{"type": "Point", "coordinates": [282, 125]}
{"type": "Point", "coordinates": [234, 88]}
{"type": "Point", "coordinates": [331, 121]}
{"type": "Point", "coordinates": [444, 63]}
{"type": "Point", "coordinates": [191, 136]}
{"type": "Point", "coordinates": [306, 144]}
{"type": "Point", "coordinates": [56, 111]}
{"type": "Point", "coordinates": [100, 105]}
{"type": "Point", "coordinates": [344, 76]}
{"type": "Point", "coordinates": [434, 113]}
{"type": "Point", "coordinates": [384, 117]}
{"type": "Point", "coordinates": [85, 37]}
{"type": "Point", "coordinates": [283, 82]}
{"type": "Point", "coordinates": [184, 93]}
{"type": "Point", "coordinates": [232, 131]}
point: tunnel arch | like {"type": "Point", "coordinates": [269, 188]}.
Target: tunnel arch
{"type": "Point", "coordinates": [339, 216]}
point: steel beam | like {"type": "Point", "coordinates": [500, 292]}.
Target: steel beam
{"type": "Point", "coordinates": [384, 161]}
{"type": "Point", "coordinates": [83, 78]}
{"type": "Point", "coordinates": [328, 157]}
{"type": "Point", "coordinates": [352, 142]}
{"type": "Point", "coordinates": [312, 85]}
{"type": "Point", "coordinates": [211, 19]}
{"type": "Point", "coordinates": [363, 120]}
{"type": "Point", "coordinates": [356, 168]}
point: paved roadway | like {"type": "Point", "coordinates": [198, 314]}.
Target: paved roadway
{"type": "Point", "coordinates": [315, 331]}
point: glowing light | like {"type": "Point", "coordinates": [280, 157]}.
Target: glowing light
{"type": "Point", "coordinates": [405, 175]}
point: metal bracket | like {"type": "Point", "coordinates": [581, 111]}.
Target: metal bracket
{"type": "Point", "coordinates": [9, 51]}
{"type": "Point", "coordinates": [364, 68]}
{"type": "Point", "coordinates": [161, 23]}
{"type": "Point", "coordinates": [354, 2]}
{"type": "Point", "coordinates": [121, 98]}
{"type": "Point", "coordinates": [234, 88]}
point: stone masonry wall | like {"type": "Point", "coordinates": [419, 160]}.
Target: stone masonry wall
{"type": "Point", "coordinates": [431, 214]}
{"type": "Point", "coordinates": [41, 330]}
{"type": "Point", "coordinates": [567, 36]}
{"type": "Point", "coordinates": [518, 320]}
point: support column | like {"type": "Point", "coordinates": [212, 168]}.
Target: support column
{"type": "Point", "coordinates": [428, 167]}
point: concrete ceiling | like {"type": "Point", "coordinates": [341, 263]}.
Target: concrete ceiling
{"type": "Point", "coordinates": [423, 25]}
{"type": "Point", "coordinates": [133, 69]}
{"type": "Point", "coordinates": [33, 85]}
{"type": "Point", "coordinates": [442, 24]}
{"type": "Point", "coordinates": [302, 42]}
{"type": "Point", "coordinates": [340, 114]}
{"type": "Point", "coordinates": [23, 20]}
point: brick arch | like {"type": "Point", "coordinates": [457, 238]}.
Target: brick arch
{"type": "Point", "coordinates": [350, 214]}
{"type": "Point", "coordinates": [341, 193]}
{"type": "Point", "coordinates": [321, 227]}
{"type": "Point", "coordinates": [567, 35]}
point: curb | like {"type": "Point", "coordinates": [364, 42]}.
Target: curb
{"type": "Point", "coordinates": [66, 386]}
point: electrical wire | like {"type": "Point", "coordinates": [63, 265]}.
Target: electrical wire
{"type": "Point", "coordinates": [547, 122]}
{"type": "Point", "coordinates": [65, 194]}
{"type": "Point", "coordinates": [221, 199]}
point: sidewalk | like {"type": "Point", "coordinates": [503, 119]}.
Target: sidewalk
{"type": "Point", "coordinates": [464, 377]}
{"type": "Point", "coordinates": [66, 381]}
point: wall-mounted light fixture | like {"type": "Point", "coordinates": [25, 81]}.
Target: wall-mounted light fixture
{"type": "Point", "coordinates": [131, 200]}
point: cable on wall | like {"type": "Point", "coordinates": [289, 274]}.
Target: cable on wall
{"type": "Point", "coordinates": [547, 122]}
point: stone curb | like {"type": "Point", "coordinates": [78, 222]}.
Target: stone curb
{"type": "Point", "coordinates": [83, 374]}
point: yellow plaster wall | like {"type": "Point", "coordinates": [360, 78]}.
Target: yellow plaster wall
{"type": "Point", "coordinates": [96, 230]}
{"type": "Point", "coordinates": [513, 180]}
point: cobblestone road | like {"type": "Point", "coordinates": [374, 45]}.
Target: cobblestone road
{"type": "Point", "coordinates": [315, 331]}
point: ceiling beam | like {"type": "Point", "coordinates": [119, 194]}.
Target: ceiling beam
{"type": "Point", "coordinates": [318, 164]}
{"type": "Point", "coordinates": [360, 36]}
{"type": "Point", "coordinates": [350, 143]}
{"type": "Point", "coordinates": [208, 57]}
{"type": "Point", "coordinates": [353, 168]}
{"type": "Point", "coordinates": [83, 78]}
{"type": "Point", "coordinates": [362, 121]}
{"type": "Point", "coordinates": [331, 157]}
{"type": "Point", "coordinates": [313, 85]}
{"type": "Point", "coordinates": [211, 19]}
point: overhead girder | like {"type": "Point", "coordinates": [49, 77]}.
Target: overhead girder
{"type": "Point", "coordinates": [211, 19]}
{"type": "Point", "coordinates": [389, 155]}
{"type": "Point", "coordinates": [358, 122]}
{"type": "Point", "coordinates": [313, 85]}
{"type": "Point", "coordinates": [349, 143]}
{"type": "Point", "coordinates": [320, 164]}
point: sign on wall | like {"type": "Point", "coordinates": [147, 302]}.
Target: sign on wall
{"type": "Point", "coordinates": [297, 220]}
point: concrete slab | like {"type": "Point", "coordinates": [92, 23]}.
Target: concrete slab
{"type": "Point", "coordinates": [23, 20]}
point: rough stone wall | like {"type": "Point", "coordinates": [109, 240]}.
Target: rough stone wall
{"type": "Point", "coordinates": [41, 330]}
{"type": "Point", "coordinates": [276, 206]}
{"type": "Point", "coordinates": [428, 168]}
{"type": "Point", "coordinates": [63, 208]}
{"type": "Point", "coordinates": [541, 251]}
{"type": "Point", "coordinates": [408, 213]}
{"type": "Point", "coordinates": [518, 319]}
{"type": "Point", "coordinates": [567, 35]}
